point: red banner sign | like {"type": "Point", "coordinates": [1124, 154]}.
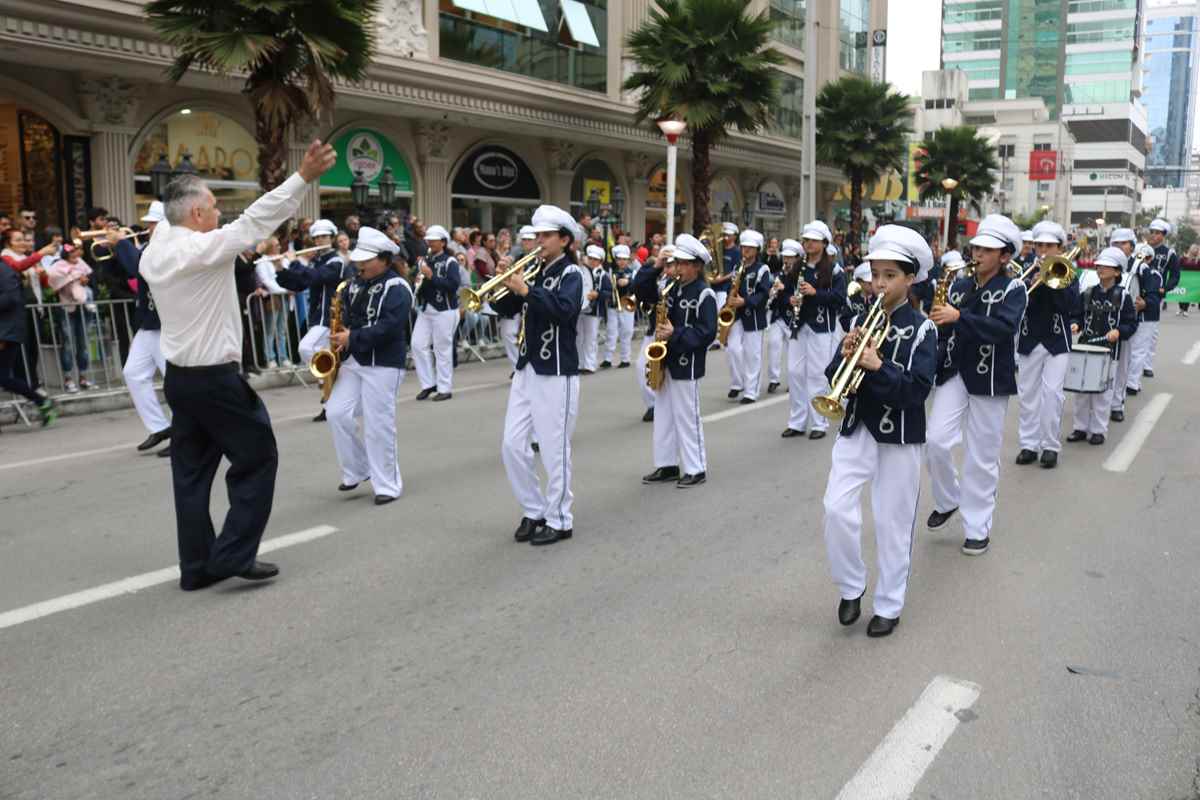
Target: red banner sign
{"type": "Point", "coordinates": [1043, 165]}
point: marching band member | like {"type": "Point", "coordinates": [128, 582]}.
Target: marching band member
{"type": "Point", "coordinates": [1166, 264]}
{"type": "Point", "coordinates": [778, 328]}
{"type": "Point", "coordinates": [690, 328]}
{"type": "Point", "coordinates": [816, 303]}
{"type": "Point", "coordinates": [543, 401]}
{"type": "Point", "coordinates": [976, 376]}
{"type": "Point", "coordinates": [1107, 317]}
{"type": "Point", "coordinates": [1027, 255]}
{"type": "Point", "coordinates": [744, 344]}
{"type": "Point", "coordinates": [145, 351]}
{"type": "Point", "coordinates": [321, 278]}
{"type": "Point", "coordinates": [597, 298]}
{"type": "Point", "coordinates": [510, 323]}
{"type": "Point", "coordinates": [1043, 352]}
{"type": "Point", "coordinates": [882, 437]}
{"type": "Point", "coordinates": [731, 256]}
{"type": "Point", "coordinates": [859, 303]}
{"type": "Point", "coordinates": [1149, 306]}
{"type": "Point", "coordinates": [661, 271]}
{"type": "Point", "coordinates": [1125, 240]}
{"type": "Point", "coordinates": [375, 309]}
{"type": "Point", "coordinates": [619, 324]}
{"type": "Point", "coordinates": [923, 291]}
{"type": "Point", "coordinates": [433, 334]}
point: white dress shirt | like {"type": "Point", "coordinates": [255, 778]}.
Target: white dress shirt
{"type": "Point", "coordinates": [191, 277]}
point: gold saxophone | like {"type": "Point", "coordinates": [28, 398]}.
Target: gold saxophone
{"type": "Point", "coordinates": [325, 362]}
{"type": "Point", "coordinates": [656, 351]}
{"type": "Point", "coordinates": [941, 291]}
{"type": "Point", "coordinates": [728, 314]}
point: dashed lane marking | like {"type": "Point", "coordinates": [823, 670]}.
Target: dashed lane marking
{"type": "Point", "coordinates": [1123, 455]}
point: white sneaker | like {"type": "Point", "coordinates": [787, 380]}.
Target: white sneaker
{"type": "Point", "coordinates": [85, 384]}
{"type": "Point", "coordinates": [1183, 313]}
{"type": "Point", "coordinates": [285, 363]}
{"type": "Point", "coordinates": [272, 365]}
{"type": "Point", "coordinates": [1179, 312]}
{"type": "Point", "coordinates": [71, 387]}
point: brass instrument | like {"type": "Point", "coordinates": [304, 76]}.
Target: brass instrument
{"type": "Point", "coordinates": [325, 362]}
{"type": "Point", "coordinates": [728, 314]}
{"type": "Point", "coordinates": [656, 351]}
{"type": "Point", "coordinates": [1056, 272]}
{"type": "Point", "coordinates": [493, 287]}
{"type": "Point", "coordinates": [941, 292]}
{"type": "Point", "coordinates": [711, 238]}
{"type": "Point", "coordinates": [107, 254]}
{"type": "Point", "coordinates": [621, 302]}
{"type": "Point", "coordinates": [849, 375]}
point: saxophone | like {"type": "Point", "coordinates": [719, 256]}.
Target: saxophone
{"type": "Point", "coordinates": [728, 314]}
{"type": "Point", "coordinates": [656, 351]}
{"type": "Point", "coordinates": [941, 292]}
{"type": "Point", "coordinates": [325, 362]}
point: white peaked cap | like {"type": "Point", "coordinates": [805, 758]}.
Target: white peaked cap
{"type": "Point", "coordinates": [371, 244]}
{"type": "Point", "coordinates": [951, 258]}
{"type": "Point", "coordinates": [862, 272]}
{"type": "Point", "coordinates": [729, 229]}
{"type": "Point", "coordinates": [621, 251]}
{"type": "Point", "coordinates": [997, 231]}
{"type": "Point", "coordinates": [156, 212]}
{"type": "Point", "coordinates": [1160, 224]}
{"type": "Point", "coordinates": [527, 232]}
{"type": "Point", "coordinates": [689, 248]}
{"type": "Point", "coordinates": [1027, 236]}
{"type": "Point", "coordinates": [1112, 257]}
{"type": "Point", "coordinates": [550, 219]}
{"type": "Point", "coordinates": [816, 230]}
{"type": "Point", "coordinates": [790, 247]}
{"type": "Point", "coordinates": [751, 238]}
{"type": "Point", "coordinates": [898, 243]}
{"type": "Point", "coordinates": [595, 251]}
{"type": "Point", "coordinates": [322, 227]}
{"type": "Point", "coordinates": [1048, 232]}
{"type": "Point", "coordinates": [436, 232]}
{"type": "Point", "coordinates": [1122, 235]}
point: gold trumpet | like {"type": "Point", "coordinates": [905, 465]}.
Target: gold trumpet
{"type": "Point", "coordinates": [849, 375]}
{"type": "Point", "coordinates": [493, 288]}
{"type": "Point", "coordinates": [126, 233]}
{"type": "Point", "coordinates": [1056, 272]}
{"type": "Point", "coordinates": [325, 362]}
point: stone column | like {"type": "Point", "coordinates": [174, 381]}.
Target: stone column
{"type": "Point", "coordinates": [433, 189]}
{"type": "Point", "coordinates": [111, 104]}
{"type": "Point", "coordinates": [792, 186]}
{"type": "Point", "coordinates": [560, 160]}
{"type": "Point", "coordinates": [301, 135]}
{"type": "Point", "coordinates": [637, 170]}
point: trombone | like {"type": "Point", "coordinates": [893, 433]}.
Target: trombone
{"type": "Point", "coordinates": [493, 288]}
{"type": "Point", "coordinates": [849, 375]}
{"type": "Point", "coordinates": [1057, 272]}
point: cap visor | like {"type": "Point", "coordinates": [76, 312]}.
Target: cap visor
{"type": "Point", "coordinates": [1100, 263]}
{"type": "Point", "coordinates": [816, 237]}
{"type": "Point", "coordinates": [358, 254]}
{"type": "Point", "coordinates": [1046, 238]}
{"type": "Point", "coordinates": [545, 229]}
{"type": "Point", "coordinates": [884, 254]}
{"type": "Point", "coordinates": [993, 242]}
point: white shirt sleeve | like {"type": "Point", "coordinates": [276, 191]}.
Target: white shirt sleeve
{"type": "Point", "coordinates": [264, 270]}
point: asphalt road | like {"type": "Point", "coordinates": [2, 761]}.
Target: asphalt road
{"type": "Point", "coordinates": [682, 645]}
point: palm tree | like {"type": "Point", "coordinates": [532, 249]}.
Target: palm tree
{"type": "Point", "coordinates": [862, 129]}
{"type": "Point", "coordinates": [291, 51]}
{"type": "Point", "coordinates": [960, 154]}
{"type": "Point", "coordinates": [705, 62]}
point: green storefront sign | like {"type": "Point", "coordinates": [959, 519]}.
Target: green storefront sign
{"type": "Point", "coordinates": [368, 151]}
{"type": "Point", "coordinates": [1188, 290]}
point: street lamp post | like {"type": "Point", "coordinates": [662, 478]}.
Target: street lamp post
{"type": "Point", "coordinates": [671, 128]}
{"type": "Point", "coordinates": [949, 184]}
{"type": "Point", "coordinates": [160, 176]}
{"type": "Point", "coordinates": [360, 192]}
{"type": "Point", "coordinates": [387, 188]}
{"type": "Point", "coordinates": [726, 212]}
{"type": "Point", "coordinates": [184, 167]}
{"type": "Point", "coordinates": [747, 215]}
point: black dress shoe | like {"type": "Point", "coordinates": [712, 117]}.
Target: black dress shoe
{"type": "Point", "coordinates": [1129, 390]}
{"type": "Point", "coordinates": [1026, 457]}
{"type": "Point", "coordinates": [384, 499]}
{"type": "Point", "coordinates": [1147, 373]}
{"type": "Point", "coordinates": [938, 519]}
{"type": "Point", "coordinates": [733, 393]}
{"type": "Point", "coordinates": [192, 583]}
{"type": "Point", "coordinates": [1049, 459]}
{"type": "Point", "coordinates": [440, 396]}
{"type": "Point", "coordinates": [1096, 438]}
{"type": "Point", "coordinates": [527, 527]}
{"type": "Point", "coordinates": [623, 365]}
{"type": "Point", "coordinates": [772, 387]}
{"type": "Point", "coordinates": [587, 371]}
{"type": "Point", "coordinates": [789, 433]}
{"type": "Point", "coordinates": [425, 393]}
{"type": "Point", "coordinates": [881, 626]}
{"type": "Point", "coordinates": [975, 547]}
{"type": "Point", "coordinates": [260, 571]}
{"type": "Point", "coordinates": [346, 487]}
{"type": "Point", "coordinates": [1117, 416]}
{"type": "Point", "coordinates": [548, 535]}
{"type": "Point", "coordinates": [849, 610]}
{"type": "Point", "coordinates": [1077, 436]}
{"type": "Point", "coordinates": [745, 401]}
{"type": "Point", "coordinates": [154, 440]}
{"type": "Point", "coordinates": [816, 434]}
{"type": "Point", "coordinates": [165, 452]}
{"type": "Point", "coordinates": [605, 365]}
{"type": "Point", "coordinates": [649, 415]}
{"type": "Point", "coordinates": [662, 475]}
{"type": "Point", "coordinates": [319, 417]}
{"type": "Point", "coordinates": [534, 447]}
{"type": "Point", "coordinates": [252, 370]}
{"type": "Point", "coordinates": [687, 481]}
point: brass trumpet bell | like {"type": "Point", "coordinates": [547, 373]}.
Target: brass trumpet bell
{"type": "Point", "coordinates": [493, 288]}
{"type": "Point", "coordinates": [322, 363]}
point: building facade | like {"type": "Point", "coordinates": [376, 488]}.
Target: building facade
{"type": "Point", "coordinates": [482, 110]}
{"type": "Point", "coordinates": [1170, 74]}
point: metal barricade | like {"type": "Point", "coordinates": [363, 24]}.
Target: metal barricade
{"type": "Point", "coordinates": [271, 334]}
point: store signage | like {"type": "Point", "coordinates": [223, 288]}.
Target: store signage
{"type": "Point", "coordinates": [1043, 165]}
{"type": "Point", "coordinates": [770, 200]}
{"type": "Point", "coordinates": [493, 171]}
{"type": "Point", "coordinates": [367, 151]}
{"type": "Point", "coordinates": [878, 55]}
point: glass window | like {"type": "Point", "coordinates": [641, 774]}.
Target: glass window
{"type": "Point", "coordinates": [1098, 92]}
{"type": "Point", "coordinates": [1108, 30]}
{"type": "Point", "coordinates": [979, 11]}
{"type": "Point", "coordinates": [789, 114]}
{"type": "Point", "coordinates": [1033, 47]}
{"type": "Point", "coordinates": [987, 69]}
{"type": "Point", "coordinates": [852, 33]}
{"type": "Point", "coordinates": [1087, 6]}
{"type": "Point", "coordinates": [971, 41]}
{"type": "Point", "coordinates": [1119, 61]}
{"type": "Point", "coordinates": [788, 16]}
{"type": "Point", "coordinates": [573, 51]}
{"type": "Point", "coordinates": [988, 93]}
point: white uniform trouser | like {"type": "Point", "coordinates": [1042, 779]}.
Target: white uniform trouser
{"type": "Point", "coordinates": [316, 339]}
{"type": "Point", "coordinates": [145, 356]}
{"type": "Point", "coordinates": [808, 356]}
{"type": "Point", "coordinates": [1153, 347]}
{"type": "Point", "coordinates": [509, 328]}
{"type": "Point", "coordinates": [1040, 377]}
{"type": "Point", "coordinates": [619, 327]}
{"type": "Point", "coordinates": [894, 471]}
{"type": "Point", "coordinates": [1121, 377]}
{"type": "Point", "coordinates": [1092, 409]}
{"type": "Point", "coordinates": [745, 359]}
{"type": "Point", "coordinates": [541, 408]}
{"type": "Point", "coordinates": [589, 342]}
{"type": "Point", "coordinates": [640, 373]}
{"type": "Point", "coordinates": [368, 393]}
{"type": "Point", "coordinates": [433, 337]}
{"type": "Point", "coordinates": [976, 422]}
{"type": "Point", "coordinates": [678, 431]}
{"type": "Point", "coordinates": [1141, 346]}
{"type": "Point", "coordinates": [777, 336]}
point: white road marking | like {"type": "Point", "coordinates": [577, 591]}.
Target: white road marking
{"type": "Point", "coordinates": [1193, 355]}
{"type": "Point", "coordinates": [139, 582]}
{"type": "Point", "coordinates": [410, 399]}
{"type": "Point", "coordinates": [894, 769]}
{"type": "Point", "coordinates": [746, 409]}
{"type": "Point", "coordinates": [1124, 454]}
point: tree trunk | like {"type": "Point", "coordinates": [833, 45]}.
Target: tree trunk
{"type": "Point", "coordinates": [952, 236]}
{"type": "Point", "coordinates": [701, 180]}
{"type": "Point", "coordinates": [856, 190]}
{"type": "Point", "coordinates": [272, 149]}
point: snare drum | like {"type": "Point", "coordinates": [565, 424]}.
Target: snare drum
{"type": "Point", "coordinates": [1089, 369]}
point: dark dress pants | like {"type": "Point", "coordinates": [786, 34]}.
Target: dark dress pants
{"type": "Point", "coordinates": [215, 413]}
